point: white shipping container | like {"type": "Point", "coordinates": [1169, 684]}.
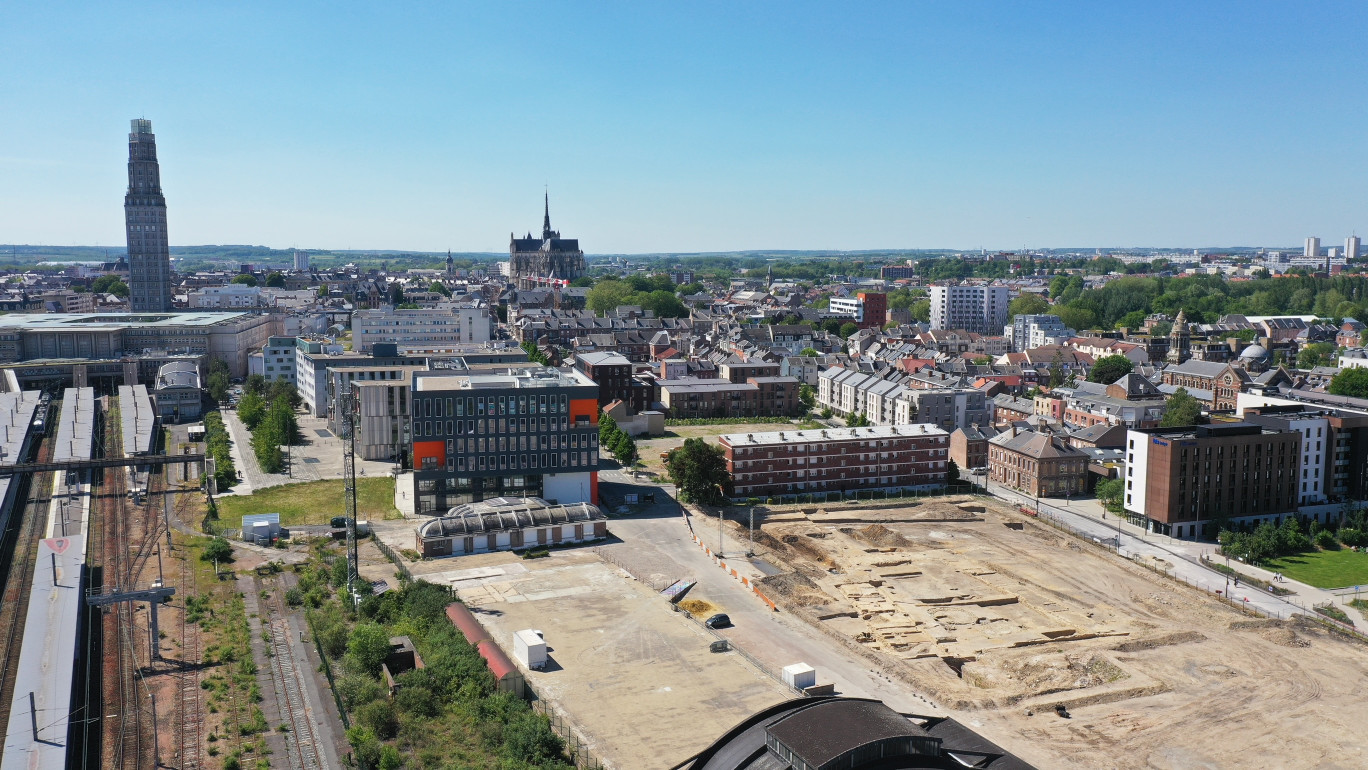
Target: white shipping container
{"type": "Point", "coordinates": [800, 676]}
{"type": "Point", "coordinates": [529, 648]}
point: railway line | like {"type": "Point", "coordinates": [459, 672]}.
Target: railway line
{"type": "Point", "coordinates": [294, 702]}
{"type": "Point", "coordinates": [190, 705]}
{"type": "Point", "coordinates": [20, 545]}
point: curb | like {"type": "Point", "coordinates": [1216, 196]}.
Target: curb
{"type": "Point", "coordinates": [744, 580]}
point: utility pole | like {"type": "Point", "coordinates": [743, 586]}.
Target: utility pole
{"type": "Point", "coordinates": [751, 552]}
{"type": "Point", "coordinates": [347, 407]}
{"type": "Point", "coordinates": [721, 543]}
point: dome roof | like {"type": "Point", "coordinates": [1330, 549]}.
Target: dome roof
{"type": "Point", "coordinates": [1255, 351]}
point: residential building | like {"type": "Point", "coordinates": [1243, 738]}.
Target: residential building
{"type": "Point", "coordinates": [888, 457]}
{"type": "Point", "coordinates": [687, 397]}
{"type": "Point", "coordinates": [315, 360]}
{"type": "Point", "coordinates": [443, 325]}
{"type": "Point", "coordinates": [1097, 347]}
{"type": "Point", "coordinates": [277, 359]}
{"type": "Point", "coordinates": [947, 409]}
{"type": "Point", "coordinates": [384, 412]}
{"type": "Point", "coordinates": [969, 447]}
{"type": "Point", "coordinates": [1334, 460]}
{"type": "Point", "coordinates": [1180, 480]}
{"type": "Point", "coordinates": [741, 371]}
{"type": "Point", "coordinates": [614, 375]}
{"type": "Point", "coordinates": [802, 368]}
{"type": "Point", "coordinates": [981, 309]}
{"type": "Point", "coordinates": [233, 295]}
{"type": "Point", "coordinates": [869, 309]}
{"type": "Point", "coordinates": [897, 272]}
{"type": "Point", "coordinates": [301, 261]}
{"type": "Point", "coordinates": [67, 301]}
{"type": "Point", "coordinates": [1037, 464]}
{"type": "Point", "coordinates": [529, 431]}
{"type": "Point", "coordinates": [149, 251]}
{"type": "Point", "coordinates": [1033, 331]}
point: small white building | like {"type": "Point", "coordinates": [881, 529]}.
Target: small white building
{"type": "Point", "coordinates": [529, 647]}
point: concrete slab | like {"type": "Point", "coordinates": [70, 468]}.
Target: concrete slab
{"type": "Point", "coordinates": [634, 677]}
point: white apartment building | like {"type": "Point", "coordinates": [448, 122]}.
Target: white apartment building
{"type": "Point", "coordinates": [445, 324]}
{"type": "Point", "coordinates": [233, 295]}
{"type": "Point", "coordinates": [1034, 331]}
{"type": "Point", "coordinates": [981, 309]}
{"type": "Point", "coordinates": [276, 360]}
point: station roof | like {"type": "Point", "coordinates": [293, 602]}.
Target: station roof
{"type": "Point", "coordinates": [111, 321]}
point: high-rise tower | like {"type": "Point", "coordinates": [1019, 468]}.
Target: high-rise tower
{"type": "Point", "coordinates": [149, 251]}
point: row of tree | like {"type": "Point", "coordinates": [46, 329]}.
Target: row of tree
{"type": "Point", "coordinates": [268, 411]}
{"type": "Point", "coordinates": [217, 447]}
{"type": "Point", "coordinates": [619, 442]}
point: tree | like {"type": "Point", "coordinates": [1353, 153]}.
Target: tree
{"type": "Point", "coordinates": [1110, 493]}
{"type": "Point", "coordinates": [848, 330]}
{"type": "Point", "coordinates": [246, 278]}
{"type": "Point", "coordinates": [609, 294]}
{"type": "Point", "coordinates": [809, 353]}
{"type": "Point", "coordinates": [218, 381]}
{"type": "Point", "coordinates": [323, 290]}
{"type": "Point", "coordinates": [1057, 369]}
{"type": "Point", "coordinates": [276, 280]}
{"type": "Point", "coordinates": [1182, 409]}
{"type": "Point", "coordinates": [252, 410]}
{"type": "Point", "coordinates": [689, 289]}
{"type": "Point", "coordinates": [921, 310]}
{"type": "Point", "coordinates": [1350, 382]}
{"type": "Point", "coordinates": [219, 550]}
{"type": "Point", "coordinates": [439, 288]}
{"type": "Point", "coordinates": [1079, 318]}
{"type": "Point", "coordinates": [952, 473]}
{"type": "Point", "coordinates": [698, 470]}
{"type": "Point", "coordinates": [857, 420]}
{"type": "Point", "coordinates": [807, 396]}
{"type": "Point", "coordinates": [1316, 354]}
{"type": "Point", "coordinates": [664, 304]}
{"type": "Point", "coordinates": [1109, 369]}
{"type": "Point", "coordinates": [1028, 304]}
{"type": "Point", "coordinates": [625, 449]}
{"type": "Point", "coordinates": [396, 294]}
{"type": "Point", "coordinates": [110, 284]}
{"type": "Point", "coordinates": [255, 383]}
{"type": "Point", "coordinates": [367, 647]}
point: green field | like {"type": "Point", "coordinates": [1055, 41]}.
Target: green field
{"type": "Point", "coordinates": [314, 502]}
{"type": "Point", "coordinates": [1324, 569]}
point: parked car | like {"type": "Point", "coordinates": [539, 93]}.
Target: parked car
{"type": "Point", "coordinates": [720, 620]}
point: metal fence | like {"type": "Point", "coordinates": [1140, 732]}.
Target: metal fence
{"type": "Point", "coordinates": [392, 556]}
{"type": "Point", "coordinates": [575, 748]}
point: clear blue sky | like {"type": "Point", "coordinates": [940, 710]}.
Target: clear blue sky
{"type": "Point", "coordinates": [691, 126]}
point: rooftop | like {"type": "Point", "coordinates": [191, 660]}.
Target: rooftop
{"type": "Point", "coordinates": [531, 376]}
{"type": "Point", "coordinates": [832, 434]}
{"type": "Point", "coordinates": [113, 321]}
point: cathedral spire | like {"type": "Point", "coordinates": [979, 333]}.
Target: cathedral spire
{"type": "Point", "coordinates": [546, 220]}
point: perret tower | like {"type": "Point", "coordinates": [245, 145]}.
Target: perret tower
{"type": "Point", "coordinates": [149, 250]}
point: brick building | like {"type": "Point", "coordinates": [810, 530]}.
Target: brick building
{"type": "Point", "coordinates": [969, 447]}
{"type": "Point", "coordinates": [1039, 464]}
{"type": "Point", "coordinates": [1179, 480]}
{"type": "Point", "coordinates": [685, 397]}
{"type": "Point", "coordinates": [836, 460]}
{"type": "Point", "coordinates": [1223, 381]}
{"type": "Point", "coordinates": [614, 375]}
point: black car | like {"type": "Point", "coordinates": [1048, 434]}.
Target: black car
{"type": "Point", "coordinates": [720, 620]}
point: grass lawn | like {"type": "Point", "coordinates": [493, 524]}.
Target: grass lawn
{"type": "Point", "coordinates": [314, 502]}
{"type": "Point", "coordinates": [1325, 569]}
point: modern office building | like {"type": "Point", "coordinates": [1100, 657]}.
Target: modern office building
{"type": "Point", "coordinates": [886, 457]}
{"type": "Point", "coordinates": [529, 431]}
{"type": "Point", "coordinates": [1334, 457]}
{"type": "Point", "coordinates": [1179, 480]}
{"type": "Point", "coordinates": [546, 261]}
{"type": "Point", "coordinates": [447, 324]}
{"type": "Point", "coordinates": [981, 309]}
{"type": "Point", "coordinates": [149, 250]}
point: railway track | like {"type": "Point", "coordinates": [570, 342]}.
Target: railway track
{"type": "Point", "coordinates": [21, 542]}
{"type": "Point", "coordinates": [130, 744]}
{"type": "Point", "coordinates": [294, 705]}
{"type": "Point", "coordinates": [190, 712]}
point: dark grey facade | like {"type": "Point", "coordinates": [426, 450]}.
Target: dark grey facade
{"type": "Point", "coordinates": [149, 250]}
{"type": "Point", "coordinates": [529, 433]}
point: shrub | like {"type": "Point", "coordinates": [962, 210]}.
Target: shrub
{"type": "Point", "coordinates": [1326, 539]}
{"type": "Point", "coordinates": [379, 718]}
{"type": "Point", "coordinates": [1353, 538]}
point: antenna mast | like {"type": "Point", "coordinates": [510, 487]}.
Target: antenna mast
{"type": "Point", "coordinates": [346, 406]}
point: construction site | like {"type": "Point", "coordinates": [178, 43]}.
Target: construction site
{"type": "Point", "coordinates": [1058, 647]}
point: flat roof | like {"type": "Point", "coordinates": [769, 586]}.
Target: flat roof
{"type": "Point", "coordinates": [533, 376]}
{"type": "Point", "coordinates": [76, 426]}
{"type": "Point", "coordinates": [112, 321]}
{"type": "Point", "coordinates": [833, 434]}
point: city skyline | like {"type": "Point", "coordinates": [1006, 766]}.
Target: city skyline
{"type": "Point", "coordinates": [713, 130]}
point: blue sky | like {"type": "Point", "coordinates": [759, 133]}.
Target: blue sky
{"type": "Point", "coordinates": [691, 126]}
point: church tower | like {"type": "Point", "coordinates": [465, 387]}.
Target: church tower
{"type": "Point", "coordinates": [1180, 341]}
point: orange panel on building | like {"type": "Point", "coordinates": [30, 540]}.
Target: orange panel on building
{"type": "Point", "coordinates": [593, 487]}
{"type": "Point", "coordinates": [426, 449]}
{"type": "Point", "coordinates": [584, 407]}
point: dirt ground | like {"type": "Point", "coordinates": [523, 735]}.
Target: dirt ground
{"type": "Point", "coordinates": [1003, 620]}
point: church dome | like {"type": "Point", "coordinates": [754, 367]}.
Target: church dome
{"type": "Point", "coordinates": [1254, 352]}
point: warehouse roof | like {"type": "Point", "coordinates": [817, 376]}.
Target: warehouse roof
{"type": "Point", "coordinates": [502, 514]}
